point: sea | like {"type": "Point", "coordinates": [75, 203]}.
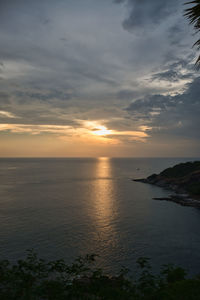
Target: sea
{"type": "Point", "coordinates": [67, 207]}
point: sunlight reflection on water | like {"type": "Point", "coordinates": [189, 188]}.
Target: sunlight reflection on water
{"type": "Point", "coordinates": [104, 205]}
{"type": "Point", "coordinates": [68, 207]}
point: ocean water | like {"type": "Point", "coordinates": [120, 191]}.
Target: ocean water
{"type": "Point", "coordinates": [63, 208]}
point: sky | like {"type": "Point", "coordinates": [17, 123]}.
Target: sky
{"type": "Point", "coordinates": [89, 78]}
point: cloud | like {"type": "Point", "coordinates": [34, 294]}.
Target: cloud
{"type": "Point", "coordinates": [127, 94]}
{"type": "Point", "coordinates": [66, 61]}
{"type": "Point", "coordinates": [14, 69]}
{"type": "Point", "coordinates": [176, 115]}
{"type": "Point", "coordinates": [171, 75]}
{"type": "Point", "coordinates": [146, 107]}
{"type": "Point", "coordinates": [35, 129]}
{"type": "Point", "coordinates": [48, 95]}
{"type": "Point", "coordinates": [177, 71]}
{"type": "Point", "coordinates": [93, 130]}
{"type": "Point", "coordinates": [147, 14]}
{"type": "Point", "coordinates": [7, 114]}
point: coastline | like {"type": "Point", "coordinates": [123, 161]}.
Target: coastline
{"type": "Point", "coordinates": [180, 179]}
{"type": "Point", "coordinates": [179, 196]}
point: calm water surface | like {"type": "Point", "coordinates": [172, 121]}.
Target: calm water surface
{"type": "Point", "coordinates": [66, 207]}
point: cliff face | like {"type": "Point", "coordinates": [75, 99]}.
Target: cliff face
{"type": "Point", "coordinates": [189, 183]}
{"type": "Point", "coordinates": [183, 178]}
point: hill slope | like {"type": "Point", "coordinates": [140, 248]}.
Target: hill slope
{"type": "Point", "coordinates": [184, 179]}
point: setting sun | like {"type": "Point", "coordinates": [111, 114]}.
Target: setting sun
{"type": "Point", "coordinates": [101, 130]}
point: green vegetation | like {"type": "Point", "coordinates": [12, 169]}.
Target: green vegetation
{"type": "Point", "coordinates": [36, 279]}
{"type": "Point", "coordinates": [181, 170]}
{"type": "Point", "coordinates": [185, 177]}
{"type": "Point", "coordinates": [194, 189]}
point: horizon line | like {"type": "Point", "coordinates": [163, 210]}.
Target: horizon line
{"type": "Point", "coordinates": [94, 157]}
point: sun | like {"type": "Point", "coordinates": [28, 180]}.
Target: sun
{"type": "Point", "coordinates": [101, 131]}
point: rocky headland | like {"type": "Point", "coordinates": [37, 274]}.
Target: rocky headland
{"type": "Point", "coordinates": [183, 179]}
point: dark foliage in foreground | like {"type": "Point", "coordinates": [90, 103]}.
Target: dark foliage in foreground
{"type": "Point", "coordinates": [36, 279]}
{"type": "Point", "coordinates": [193, 14]}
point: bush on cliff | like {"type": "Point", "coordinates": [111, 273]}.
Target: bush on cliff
{"type": "Point", "coordinates": [181, 170]}
{"type": "Point", "coordinates": [36, 279]}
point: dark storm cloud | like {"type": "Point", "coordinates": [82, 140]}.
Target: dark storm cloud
{"type": "Point", "coordinates": [175, 70]}
{"type": "Point", "coordinates": [1, 69]}
{"type": "Point", "coordinates": [171, 75]}
{"type": "Point", "coordinates": [180, 65]}
{"type": "Point", "coordinates": [173, 115]}
{"type": "Point", "coordinates": [127, 94]}
{"type": "Point", "coordinates": [175, 34]}
{"type": "Point", "coordinates": [145, 13]}
{"type": "Point", "coordinates": [52, 94]}
{"type": "Point", "coordinates": [35, 107]}
{"type": "Point", "coordinates": [4, 100]}
{"type": "Point", "coordinates": [146, 107]}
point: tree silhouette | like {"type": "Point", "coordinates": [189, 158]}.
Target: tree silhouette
{"type": "Point", "coordinates": [193, 14]}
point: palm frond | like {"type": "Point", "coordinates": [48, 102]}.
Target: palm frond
{"type": "Point", "coordinates": [197, 63]}
{"type": "Point", "coordinates": [193, 15]}
{"type": "Point", "coordinates": [197, 44]}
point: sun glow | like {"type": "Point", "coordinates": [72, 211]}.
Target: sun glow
{"type": "Point", "coordinates": [101, 130]}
